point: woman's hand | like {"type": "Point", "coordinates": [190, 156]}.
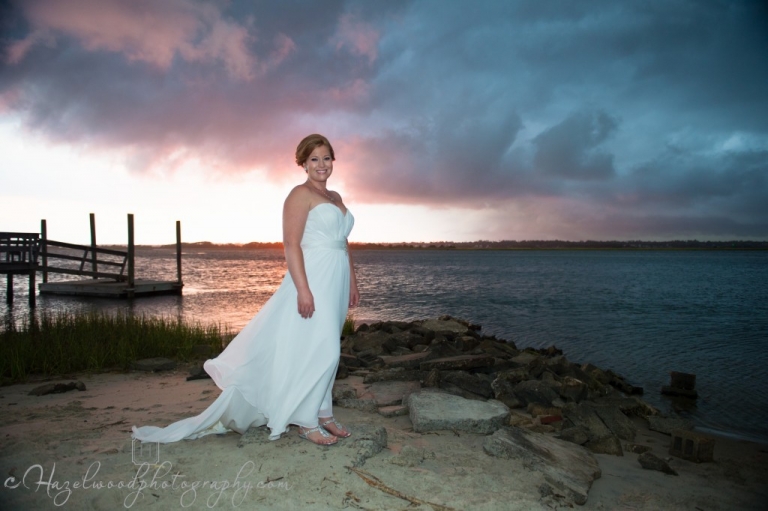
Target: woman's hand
{"type": "Point", "coordinates": [306, 304]}
{"type": "Point", "coordinates": [354, 295]}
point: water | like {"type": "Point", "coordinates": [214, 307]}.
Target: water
{"type": "Point", "coordinates": [639, 313]}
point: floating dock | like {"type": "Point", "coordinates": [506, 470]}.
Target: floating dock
{"type": "Point", "coordinates": [111, 272]}
{"type": "Point", "coordinates": [111, 289]}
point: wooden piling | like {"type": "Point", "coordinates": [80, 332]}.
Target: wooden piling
{"type": "Point", "coordinates": [178, 251]}
{"type": "Point", "coordinates": [9, 289]}
{"type": "Point", "coordinates": [44, 248]}
{"type": "Point", "coordinates": [93, 243]}
{"type": "Point", "coordinates": [131, 256]}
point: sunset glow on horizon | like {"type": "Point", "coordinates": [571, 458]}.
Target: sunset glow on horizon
{"type": "Point", "coordinates": [500, 120]}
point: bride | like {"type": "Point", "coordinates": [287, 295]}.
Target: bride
{"type": "Point", "coordinates": [280, 368]}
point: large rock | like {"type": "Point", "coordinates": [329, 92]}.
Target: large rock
{"type": "Point", "coordinates": [567, 467]}
{"type": "Point", "coordinates": [395, 374]}
{"type": "Point", "coordinates": [473, 383]}
{"type": "Point", "coordinates": [367, 440]}
{"type": "Point", "coordinates": [650, 461]}
{"type": "Point", "coordinates": [450, 325]}
{"type": "Point", "coordinates": [505, 392]}
{"type": "Point", "coordinates": [411, 361]}
{"type": "Point", "coordinates": [368, 341]}
{"type": "Point", "coordinates": [461, 362]}
{"type": "Point", "coordinates": [388, 393]}
{"type": "Point", "coordinates": [434, 411]}
{"type": "Point", "coordinates": [601, 438]}
{"type": "Point", "coordinates": [57, 388]}
{"type": "Point", "coordinates": [534, 391]}
{"type": "Point", "coordinates": [153, 364]}
{"type": "Point", "coordinates": [617, 422]}
{"type": "Point", "coordinates": [667, 425]}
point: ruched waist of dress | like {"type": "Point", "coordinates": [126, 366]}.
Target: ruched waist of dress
{"type": "Point", "coordinates": [328, 244]}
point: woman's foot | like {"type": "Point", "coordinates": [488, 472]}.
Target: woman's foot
{"type": "Point", "coordinates": [334, 427]}
{"type": "Point", "coordinates": [317, 435]}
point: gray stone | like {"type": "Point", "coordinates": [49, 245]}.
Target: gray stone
{"type": "Point", "coordinates": [450, 388]}
{"type": "Point", "coordinates": [667, 425]}
{"type": "Point", "coordinates": [461, 362]}
{"type": "Point", "coordinates": [153, 364]}
{"type": "Point", "coordinates": [198, 373]}
{"type": "Point", "coordinates": [650, 461]}
{"type": "Point", "coordinates": [636, 448]}
{"type": "Point", "coordinates": [434, 411]}
{"type": "Point", "coordinates": [364, 405]}
{"type": "Point", "coordinates": [617, 422]}
{"type": "Point", "coordinates": [371, 341]}
{"type": "Point", "coordinates": [505, 392]}
{"type": "Point", "coordinates": [368, 440]}
{"type": "Point", "coordinates": [57, 388]}
{"type": "Point", "coordinates": [387, 393]}
{"type": "Point", "coordinates": [601, 439]}
{"type": "Point", "coordinates": [469, 382]}
{"type": "Point", "coordinates": [574, 434]}
{"type": "Point", "coordinates": [395, 374]}
{"type": "Point", "coordinates": [393, 411]}
{"type": "Point", "coordinates": [340, 392]}
{"type": "Point", "coordinates": [572, 389]}
{"type": "Point", "coordinates": [449, 325]}
{"type": "Point", "coordinates": [410, 361]}
{"type": "Point", "coordinates": [568, 468]}
{"type": "Point", "coordinates": [534, 391]}
{"type": "Point", "coordinates": [606, 445]}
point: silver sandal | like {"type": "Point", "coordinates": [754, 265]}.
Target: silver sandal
{"type": "Point", "coordinates": [338, 425]}
{"type": "Point", "coordinates": [317, 429]}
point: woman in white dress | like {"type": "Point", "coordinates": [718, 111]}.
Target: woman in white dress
{"type": "Point", "coordinates": [280, 368]}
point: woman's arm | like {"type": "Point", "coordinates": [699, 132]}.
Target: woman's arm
{"type": "Point", "coordinates": [295, 212]}
{"type": "Point", "coordinates": [354, 294]}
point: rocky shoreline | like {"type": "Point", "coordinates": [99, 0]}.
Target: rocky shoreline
{"type": "Point", "coordinates": [443, 418]}
{"type": "Point", "coordinates": [534, 405]}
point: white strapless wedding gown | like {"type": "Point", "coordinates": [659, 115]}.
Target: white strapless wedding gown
{"type": "Point", "coordinates": [280, 368]}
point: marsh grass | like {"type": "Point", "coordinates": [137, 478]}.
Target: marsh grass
{"type": "Point", "coordinates": [65, 342]}
{"type": "Point", "coordinates": [349, 325]}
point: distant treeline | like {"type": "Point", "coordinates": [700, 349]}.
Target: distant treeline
{"type": "Point", "coordinates": [505, 245]}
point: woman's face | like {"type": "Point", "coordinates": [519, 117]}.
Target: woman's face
{"type": "Point", "coordinates": [319, 165]}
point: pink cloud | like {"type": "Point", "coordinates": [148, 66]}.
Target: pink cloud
{"type": "Point", "coordinates": [358, 37]}
{"type": "Point", "coordinates": [142, 30]}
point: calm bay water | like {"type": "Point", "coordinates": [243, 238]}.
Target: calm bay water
{"type": "Point", "coordinates": [639, 313]}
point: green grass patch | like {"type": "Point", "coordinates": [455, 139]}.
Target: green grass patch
{"type": "Point", "coordinates": [65, 342]}
{"type": "Point", "coordinates": [349, 325]}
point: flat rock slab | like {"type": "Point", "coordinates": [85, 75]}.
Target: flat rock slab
{"type": "Point", "coordinates": [439, 325]}
{"type": "Point", "coordinates": [667, 425]}
{"type": "Point", "coordinates": [367, 440]}
{"type": "Point", "coordinates": [393, 411]}
{"type": "Point", "coordinates": [153, 364]}
{"type": "Point", "coordinates": [388, 393]}
{"type": "Point", "coordinates": [434, 411]}
{"type": "Point", "coordinates": [458, 363]}
{"type": "Point", "coordinates": [57, 388]}
{"type": "Point", "coordinates": [568, 468]}
{"type": "Point", "coordinates": [410, 361]}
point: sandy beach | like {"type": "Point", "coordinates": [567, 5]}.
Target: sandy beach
{"type": "Point", "coordinates": [74, 451]}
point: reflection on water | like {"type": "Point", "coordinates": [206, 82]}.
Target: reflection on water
{"type": "Point", "coordinates": [641, 314]}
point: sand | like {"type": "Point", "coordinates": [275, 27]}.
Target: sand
{"type": "Point", "coordinates": [74, 451]}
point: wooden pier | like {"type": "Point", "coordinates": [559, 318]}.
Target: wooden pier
{"type": "Point", "coordinates": [29, 253]}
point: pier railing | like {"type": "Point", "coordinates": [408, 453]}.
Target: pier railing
{"type": "Point", "coordinates": [19, 252]}
{"type": "Point", "coordinates": [118, 260]}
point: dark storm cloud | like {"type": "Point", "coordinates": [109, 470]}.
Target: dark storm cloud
{"type": "Point", "coordinates": [646, 117]}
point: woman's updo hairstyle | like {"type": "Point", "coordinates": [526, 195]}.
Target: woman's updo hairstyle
{"type": "Point", "coordinates": [309, 144]}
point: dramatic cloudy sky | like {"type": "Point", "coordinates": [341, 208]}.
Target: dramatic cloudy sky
{"type": "Point", "coordinates": [451, 120]}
